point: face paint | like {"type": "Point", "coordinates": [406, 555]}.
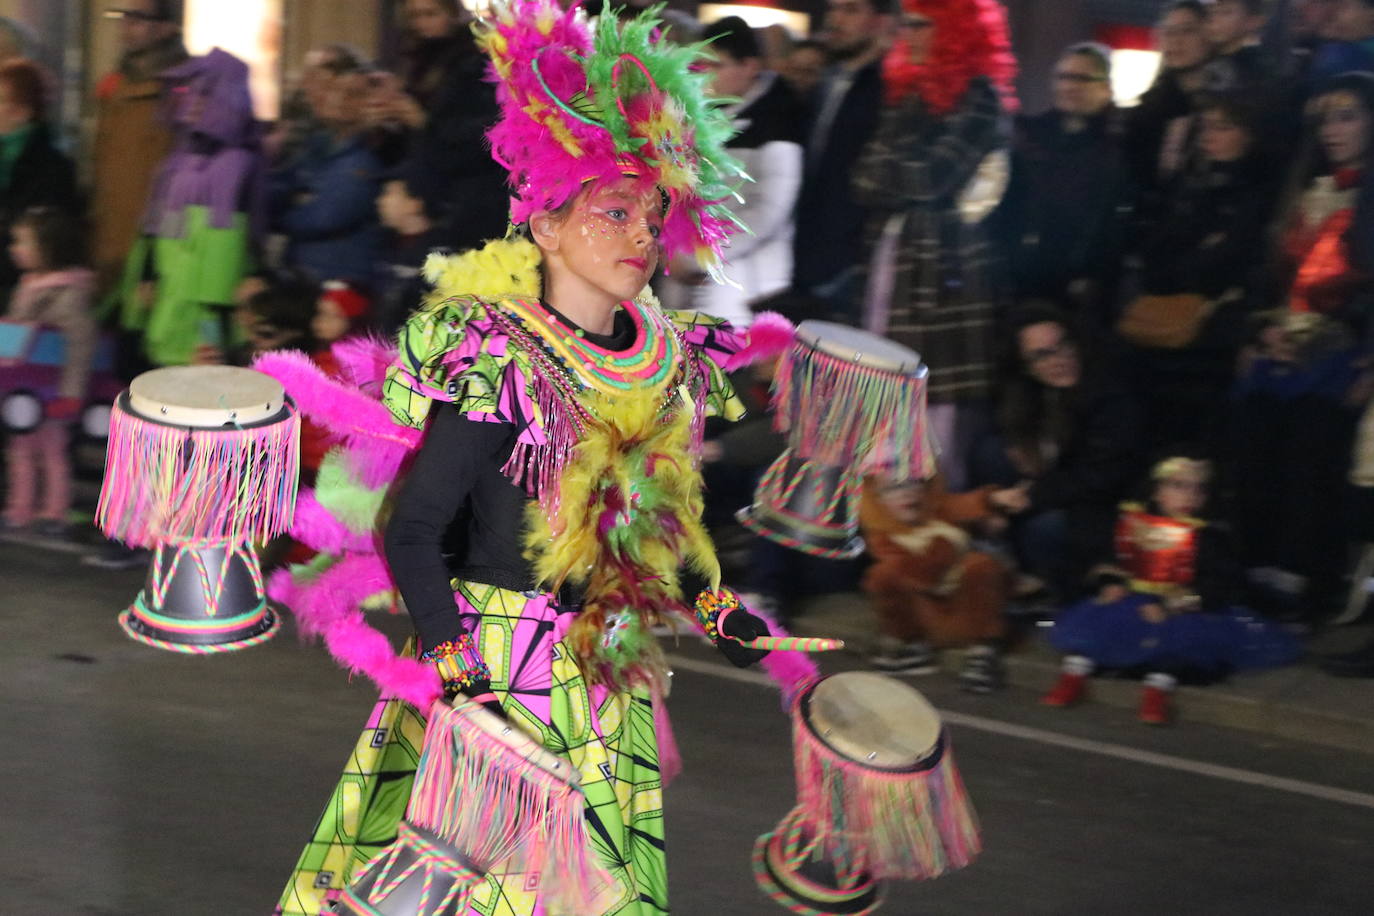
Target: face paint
{"type": "Point", "coordinates": [609, 239]}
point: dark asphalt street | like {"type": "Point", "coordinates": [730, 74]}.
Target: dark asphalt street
{"type": "Point", "coordinates": [141, 783]}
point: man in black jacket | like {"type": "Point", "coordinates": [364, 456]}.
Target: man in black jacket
{"type": "Point", "coordinates": [827, 246]}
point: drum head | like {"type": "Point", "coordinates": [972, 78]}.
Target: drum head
{"type": "Point", "coordinates": [206, 397]}
{"type": "Point", "coordinates": [860, 347]}
{"type": "Point", "coordinates": [874, 720]}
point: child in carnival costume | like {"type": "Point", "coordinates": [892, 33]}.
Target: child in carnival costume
{"type": "Point", "coordinates": [1168, 604]}
{"type": "Point", "coordinates": [562, 413]}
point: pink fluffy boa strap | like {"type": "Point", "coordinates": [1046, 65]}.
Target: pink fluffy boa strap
{"type": "Point", "coordinates": [768, 337]}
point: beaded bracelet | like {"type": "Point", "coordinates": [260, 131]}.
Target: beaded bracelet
{"type": "Point", "coordinates": [711, 606]}
{"type": "Point", "coordinates": [459, 663]}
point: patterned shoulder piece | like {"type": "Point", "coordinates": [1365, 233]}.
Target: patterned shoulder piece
{"type": "Point", "coordinates": [716, 343]}
{"type": "Point", "coordinates": [454, 351]}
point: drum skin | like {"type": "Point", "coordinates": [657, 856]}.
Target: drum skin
{"type": "Point", "coordinates": [874, 720]}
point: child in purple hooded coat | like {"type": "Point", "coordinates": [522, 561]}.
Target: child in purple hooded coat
{"type": "Point", "coordinates": [203, 215]}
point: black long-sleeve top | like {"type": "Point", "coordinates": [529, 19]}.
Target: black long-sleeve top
{"type": "Point", "coordinates": [457, 478]}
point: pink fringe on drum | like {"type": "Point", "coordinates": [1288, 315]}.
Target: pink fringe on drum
{"type": "Point", "coordinates": [901, 825]}
{"type": "Point", "coordinates": [883, 425]}
{"type": "Point", "coordinates": [494, 806]}
{"type": "Point", "coordinates": [175, 484]}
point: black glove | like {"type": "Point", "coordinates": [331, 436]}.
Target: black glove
{"type": "Point", "coordinates": [741, 626]}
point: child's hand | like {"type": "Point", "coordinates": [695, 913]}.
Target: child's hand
{"type": "Point", "coordinates": [1111, 593]}
{"type": "Point", "coordinates": [206, 355]}
{"type": "Point", "coordinates": [1154, 613]}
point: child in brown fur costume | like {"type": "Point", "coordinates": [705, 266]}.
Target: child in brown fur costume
{"type": "Point", "coordinates": [930, 589]}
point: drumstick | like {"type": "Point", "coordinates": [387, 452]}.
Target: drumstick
{"type": "Point", "coordinates": [791, 644]}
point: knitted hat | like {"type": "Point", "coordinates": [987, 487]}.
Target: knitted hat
{"type": "Point", "coordinates": [352, 303]}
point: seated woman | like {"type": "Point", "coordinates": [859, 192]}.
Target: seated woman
{"type": "Point", "coordinates": [1167, 606]}
{"type": "Point", "coordinates": [929, 587]}
{"type": "Point", "coordinates": [1065, 450]}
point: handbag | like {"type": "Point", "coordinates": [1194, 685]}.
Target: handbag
{"type": "Point", "coordinates": [1164, 322]}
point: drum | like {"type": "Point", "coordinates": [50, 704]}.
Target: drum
{"type": "Point", "coordinates": [201, 465]}
{"type": "Point", "coordinates": [851, 403]}
{"type": "Point", "coordinates": [878, 798]}
{"type": "Point", "coordinates": [485, 795]}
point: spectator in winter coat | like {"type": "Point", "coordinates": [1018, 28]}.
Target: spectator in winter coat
{"type": "Point", "coordinates": [828, 244]}
{"type": "Point", "coordinates": [131, 137]}
{"type": "Point", "coordinates": [326, 203]}
{"type": "Point", "coordinates": [1066, 447]}
{"type": "Point", "coordinates": [1210, 227]}
{"type": "Point", "coordinates": [1063, 219]}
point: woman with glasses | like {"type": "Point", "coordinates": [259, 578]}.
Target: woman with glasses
{"type": "Point", "coordinates": [1066, 447]}
{"type": "Point", "coordinates": [1063, 221]}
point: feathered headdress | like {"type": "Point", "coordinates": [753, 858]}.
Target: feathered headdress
{"type": "Point", "coordinates": [582, 102]}
{"type": "Point", "coordinates": [971, 39]}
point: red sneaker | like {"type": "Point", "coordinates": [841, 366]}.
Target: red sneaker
{"type": "Point", "coordinates": [1154, 706]}
{"type": "Point", "coordinates": [1068, 690]}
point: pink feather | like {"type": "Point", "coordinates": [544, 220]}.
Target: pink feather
{"type": "Point", "coordinates": [768, 336]}
{"type": "Point", "coordinates": [328, 607]}
{"type": "Point", "coordinates": [347, 412]}
{"type": "Point", "coordinates": [314, 527]}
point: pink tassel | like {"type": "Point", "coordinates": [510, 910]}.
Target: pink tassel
{"type": "Point", "coordinates": [770, 335]}
{"type": "Point", "coordinates": [526, 814]}
{"type": "Point", "coordinates": [669, 758]}
{"type": "Point", "coordinates": [167, 483]}
{"type": "Point", "coordinates": [907, 825]}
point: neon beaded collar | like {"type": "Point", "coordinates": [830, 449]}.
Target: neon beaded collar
{"type": "Point", "coordinates": [650, 362]}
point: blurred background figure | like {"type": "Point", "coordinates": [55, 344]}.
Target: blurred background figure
{"type": "Point", "coordinates": [204, 215]}
{"type": "Point", "coordinates": [1064, 221]}
{"type": "Point", "coordinates": [131, 137]}
{"type": "Point", "coordinates": [1159, 127]}
{"type": "Point", "coordinates": [33, 172]}
{"type": "Point", "coordinates": [1234, 29]}
{"type": "Point", "coordinates": [325, 204]}
{"type": "Point", "coordinates": [804, 67]}
{"type": "Point", "coordinates": [299, 121]}
{"type": "Point", "coordinates": [55, 288]}
{"type": "Point", "coordinates": [442, 104]}
{"type": "Point", "coordinates": [930, 279]}
{"type": "Point", "coordinates": [769, 148]}
{"type": "Point", "coordinates": [828, 244]}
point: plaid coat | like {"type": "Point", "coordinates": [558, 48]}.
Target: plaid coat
{"type": "Point", "coordinates": [944, 297]}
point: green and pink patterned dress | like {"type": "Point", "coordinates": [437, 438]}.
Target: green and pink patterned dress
{"type": "Point", "coordinates": [477, 356]}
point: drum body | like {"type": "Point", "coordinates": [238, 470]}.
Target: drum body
{"type": "Point", "coordinates": [201, 600]}
{"type": "Point", "coordinates": [202, 464]}
{"type": "Point", "coordinates": [878, 798]}
{"type": "Point", "coordinates": [852, 403]}
{"type": "Point", "coordinates": [486, 794]}
{"type": "Point", "coordinates": [418, 875]}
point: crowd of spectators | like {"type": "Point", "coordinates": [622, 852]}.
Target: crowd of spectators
{"type": "Point", "coordinates": [1187, 274]}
